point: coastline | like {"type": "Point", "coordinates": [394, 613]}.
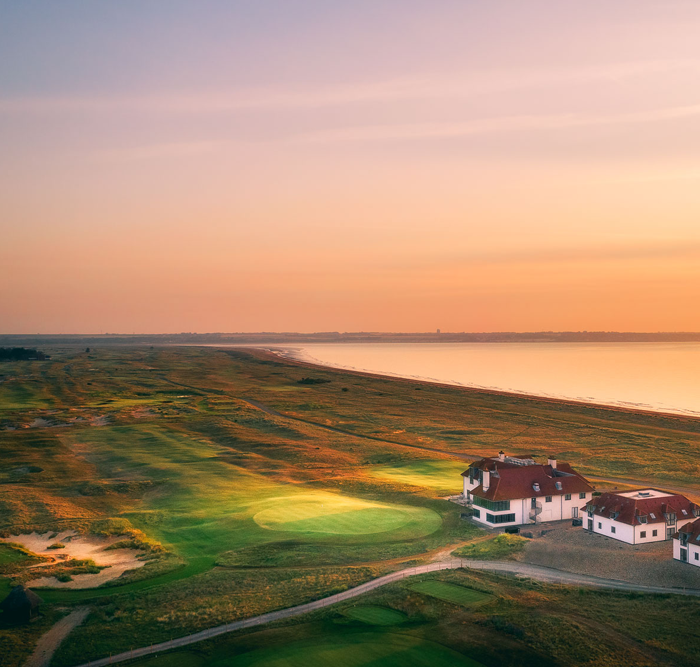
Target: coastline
{"type": "Point", "coordinates": [287, 354]}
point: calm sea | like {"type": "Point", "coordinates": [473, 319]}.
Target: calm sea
{"type": "Point", "coordinates": [651, 376]}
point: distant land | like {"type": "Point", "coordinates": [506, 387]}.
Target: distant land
{"type": "Point", "coordinates": [272, 338]}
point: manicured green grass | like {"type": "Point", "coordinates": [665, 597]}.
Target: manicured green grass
{"type": "Point", "coordinates": [343, 515]}
{"type": "Point", "coordinates": [466, 597]}
{"type": "Point", "coordinates": [374, 615]}
{"type": "Point", "coordinates": [358, 650]}
{"type": "Point", "coordinates": [442, 475]}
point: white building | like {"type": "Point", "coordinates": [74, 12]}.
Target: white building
{"type": "Point", "coordinates": [509, 491]}
{"type": "Point", "coordinates": [686, 543]}
{"type": "Point", "coordinates": [639, 516]}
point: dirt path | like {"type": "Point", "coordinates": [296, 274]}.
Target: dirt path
{"type": "Point", "coordinates": [521, 570]}
{"type": "Point", "coordinates": [50, 641]}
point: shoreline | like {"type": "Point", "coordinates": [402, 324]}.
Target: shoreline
{"type": "Point", "coordinates": [279, 354]}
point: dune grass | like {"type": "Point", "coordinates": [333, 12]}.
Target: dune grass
{"type": "Point", "coordinates": [500, 547]}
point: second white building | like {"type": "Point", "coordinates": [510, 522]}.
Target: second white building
{"type": "Point", "coordinates": [639, 516]}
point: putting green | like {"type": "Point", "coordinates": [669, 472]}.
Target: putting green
{"type": "Point", "coordinates": [466, 597]}
{"type": "Point", "coordinates": [343, 515]}
{"type": "Point", "coordinates": [357, 650]}
{"type": "Point", "coordinates": [374, 615]}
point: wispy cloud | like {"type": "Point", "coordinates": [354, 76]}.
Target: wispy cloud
{"type": "Point", "coordinates": [157, 151]}
{"type": "Point", "coordinates": [426, 87]}
{"type": "Point", "coordinates": [391, 132]}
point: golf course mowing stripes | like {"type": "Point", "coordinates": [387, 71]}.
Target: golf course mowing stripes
{"type": "Point", "coordinates": [374, 615]}
{"type": "Point", "coordinates": [466, 597]}
{"type": "Point", "coordinates": [366, 649]}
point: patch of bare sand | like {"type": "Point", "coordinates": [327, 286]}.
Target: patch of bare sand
{"type": "Point", "coordinates": [79, 547]}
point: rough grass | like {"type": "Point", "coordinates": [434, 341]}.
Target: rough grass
{"type": "Point", "coordinates": [500, 547]}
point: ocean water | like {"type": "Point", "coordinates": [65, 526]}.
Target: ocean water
{"type": "Point", "coordinates": [663, 377]}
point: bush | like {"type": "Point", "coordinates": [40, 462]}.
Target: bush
{"type": "Point", "coordinates": [57, 545]}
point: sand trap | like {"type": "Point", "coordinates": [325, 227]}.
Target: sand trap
{"type": "Point", "coordinates": [79, 547]}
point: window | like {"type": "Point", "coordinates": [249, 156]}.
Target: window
{"type": "Point", "coordinates": [582, 495]}
{"type": "Point", "coordinates": [557, 485]}
{"type": "Point", "coordinates": [590, 510]}
{"type": "Point", "coordinates": [654, 533]}
{"type": "Point", "coordinates": [652, 515]}
{"type": "Point", "coordinates": [567, 496]}
{"type": "Point", "coordinates": [476, 513]}
{"type": "Point", "coordinates": [494, 506]}
{"type": "Point", "coordinates": [697, 556]}
{"type": "Point", "coordinates": [548, 499]}
{"type": "Point", "coordinates": [643, 533]}
{"type": "Point", "coordinates": [612, 529]}
{"type": "Point", "coordinates": [600, 525]}
{"type": "Point", "coordinates": [500, 518]}
{"type": "Point", "coordinates": [643, 519]}
{"type": "Point", "coordinates": [684, 512]}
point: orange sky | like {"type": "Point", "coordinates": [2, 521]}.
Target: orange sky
{"type": "Point", "coordinates": [385, 166]}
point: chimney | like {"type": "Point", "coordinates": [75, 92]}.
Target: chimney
{"type": "Point", "coordinates": [485, 480]}
{"type": "Point", "coordinates": [552, 461]}
{"type": "Point", "coordinates": [501, 456]}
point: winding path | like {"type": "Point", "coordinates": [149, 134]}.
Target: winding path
{"type": "Point", "coordinates": [51, 640]}
{"type": "Point", "coordinates": [521, 570]}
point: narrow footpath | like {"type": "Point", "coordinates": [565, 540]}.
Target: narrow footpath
{"type": "Point", "coordinates": [51, 640]}
{"type": "Point", "coordinates": [521, 570]}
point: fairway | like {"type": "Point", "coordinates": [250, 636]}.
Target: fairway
{"type": "Point", "coordinates": [373, 615]}
{"type": "Point", "coordinates": [356, 650]}
{"type": "Point", "coordinates": [340, 515]}
{"type": "Point", "coordinates": [441, 475]}
{"type": "Point", "coordinates": [466, 597]}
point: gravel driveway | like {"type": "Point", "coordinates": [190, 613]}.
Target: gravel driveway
{"type": "Point", "coordinates": [574, 549]}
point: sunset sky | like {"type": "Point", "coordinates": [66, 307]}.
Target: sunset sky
{"type": "Point", "coordinates": [376, 165]}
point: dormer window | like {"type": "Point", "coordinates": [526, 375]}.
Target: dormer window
{"type": "Point", "coordinates": [557, 486]}
{"type": "Point", "coordinates": [642, 518]}
{"type": "Point", "coordinates": [536, 487]}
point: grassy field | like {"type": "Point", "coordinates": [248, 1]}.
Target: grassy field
{"type": "Point", "coordinates": [466, 597]}
{"type": "Point", "coordinates": [373, 615]}
{"type": "Point", "coordinates": [523, 625]}
{"type": "Point", "coordinates": [255, 510]}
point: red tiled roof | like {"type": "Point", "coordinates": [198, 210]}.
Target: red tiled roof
{"type": "Point", "coordinates": [512, 482]}
{"type": "Point", "coordinates": [629, 510]}
{"type": "Point", "coordinates": [490, 464]}
{"type": "Point", "coordinates": [692, 530]}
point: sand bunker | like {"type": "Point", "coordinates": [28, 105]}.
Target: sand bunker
{"type": "Point", "coordinates": [79, 547]}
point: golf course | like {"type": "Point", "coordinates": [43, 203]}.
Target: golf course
{"type": "Point", "coordinates": [247, 484]}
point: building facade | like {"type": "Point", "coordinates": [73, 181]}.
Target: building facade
{"type": "Point", "coordinates": [639, 516]}
{"type": "Point", "coordinates": [686, 543]}
{"type": "Point", "coordinates": [510, 491]}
